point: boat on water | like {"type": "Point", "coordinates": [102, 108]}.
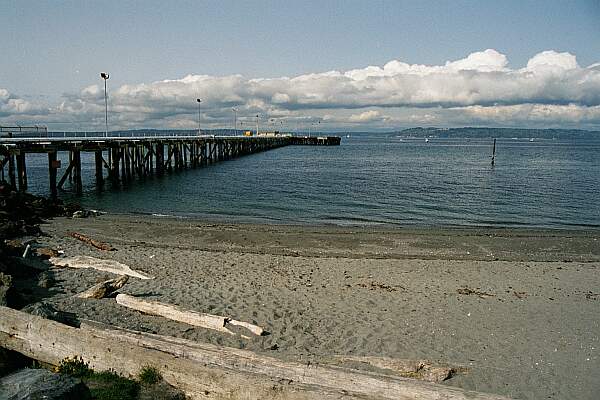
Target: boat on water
{"type": "Point", "coordinates": [426, 140]}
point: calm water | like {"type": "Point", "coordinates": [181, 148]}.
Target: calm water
{"type": "Point", "coordinates": [376, 180]}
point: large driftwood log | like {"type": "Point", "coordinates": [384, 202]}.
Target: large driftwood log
{"type": "Point", "coordinates": [207, 371]}
{"type": "Point", "coordinates": [111, 266]}
{"type": "Point", "coordinates": [92, 242]}
{"type": "Point", "coordinates": [417, 369]}
{"type": "Point", "coordinates": [104, 289]}
{"type": "Point", "coordinates": [209, 321]}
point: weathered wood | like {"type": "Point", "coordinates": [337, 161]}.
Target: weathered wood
{"type": "Point", "coordinates": [67, 173]}
{"type": "Point", "coordinates": [111, 266]}
{"type": "Point", "coordinates": [209, 321]}
{"type": "Point", "coordinates": [22, 172]}
{"type": "Point", "coordinates": [98, 163]}
{"type": "Point", "coordinates": [104, 289]}
{"type": "Point", "coordinates": [52, 174]}
{"type": "Point", "coordinates": [205, 371]}
{"type": "Point", "coordinates": [417, 369]}
{"type": "Point", "coordinates": [92, 242]}
{"type": "Point", "coordinates": [77, 171]}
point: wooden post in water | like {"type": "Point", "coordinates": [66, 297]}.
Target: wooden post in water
{"type": "Point", "coordinates": [11, 171]}
{"type": "Point", "coordinates": [77, 171]}
{"type": "Point", "coordinates": [52, 166]}
{"type": "Point", "coordinates": [494, 153]}
{"type": "Point", "coordinates": [22, 171]}
{"type": "Point", "coordinates": [114, 166]}
{"type": "Point", "coordinates": [99, 167]}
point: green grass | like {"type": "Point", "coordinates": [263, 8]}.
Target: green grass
{"type": "Point", "coordinates": [105, 385]}
{"type": "Point", "coordinates": [149, 375]}
{"type": "Point", "coordinates": [75, 367]}
{"type": "Point", "coordinates": [110, 386]}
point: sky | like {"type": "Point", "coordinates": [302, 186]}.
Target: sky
{"type": "Point", "coordinates": [339, 65]}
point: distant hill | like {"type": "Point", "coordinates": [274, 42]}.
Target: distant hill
{"type": "Point", "coordinates": [470, 132]}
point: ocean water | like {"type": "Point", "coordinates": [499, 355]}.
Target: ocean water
{"type": "Point", "coordinates": [373, 180]}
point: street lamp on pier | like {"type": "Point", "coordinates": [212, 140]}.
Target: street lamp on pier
{"type": "Point", "coordinates": [199, 103]}
{"type": "Point", "coordinates": [104, 75]}
{"type": "Point", "coordinates": [234, 120]}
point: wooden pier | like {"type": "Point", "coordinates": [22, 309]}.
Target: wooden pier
{"type": "Point", "coordinates": [121, 159]}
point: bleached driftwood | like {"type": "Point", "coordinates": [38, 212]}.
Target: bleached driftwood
{"type": "Point", "coordinates": [99, 264]}
{"type": "Point", "coordinates": [104, 289]}
{"type": "Point", "coordinates": [92, 242]}
{"type": "Point", "coordinates": [175, 313]}
{"type": "Point", "coordinates": [417, 369]}
{"type": "Point", "coordinates": [205, 371]}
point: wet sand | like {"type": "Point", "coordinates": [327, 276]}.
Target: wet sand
{"type": "Point", "coordinates": [325, 291]}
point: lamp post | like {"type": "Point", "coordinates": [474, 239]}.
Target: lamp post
{"type": "Point", "coordinates": [199, 103]}
{"type": "Point", "coordinates": [104, 75]}
{"type": "Point", "coordinates": [234, 120]}
{"type": "Point", "coordinates": [256, 124]}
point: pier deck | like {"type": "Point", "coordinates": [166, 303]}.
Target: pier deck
{"type": "Point", "coordinates": [120, 159]}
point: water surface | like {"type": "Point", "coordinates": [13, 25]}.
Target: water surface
{"type": "Point", "coordinates": [374, 180]}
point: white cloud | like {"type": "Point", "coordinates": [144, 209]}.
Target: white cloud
{"type": "Point", "coordinates": [482, 86]}
{"type": "Point", "coordinates": [367, 116]}
{"type": "Point", "coordinates": [12, 105]}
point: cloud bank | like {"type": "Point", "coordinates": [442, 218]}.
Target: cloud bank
{"type": "Point", "coordinates": [551, 90]}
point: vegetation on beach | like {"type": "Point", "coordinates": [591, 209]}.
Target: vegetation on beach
{"type": "Point", "coordinates": [149, 375]}
{"type": "Point", "coordinates": [105, 385]}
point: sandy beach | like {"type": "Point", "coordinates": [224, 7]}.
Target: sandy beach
{"type": "Point", "coordinates": [528, 329]}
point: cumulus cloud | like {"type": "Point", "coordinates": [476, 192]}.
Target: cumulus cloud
{"type": "Point", "coordinates": [482, 86]}
{"type": "Point", "coordinates": [12, 105]}
{"type": "Point", "coordinates": [367, 116]}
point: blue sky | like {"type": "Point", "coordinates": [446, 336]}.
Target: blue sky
{"type": "Point", "coordinates": [52, 53]}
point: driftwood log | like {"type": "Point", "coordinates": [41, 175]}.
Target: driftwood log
{"type": "Point", "coordinates": [209, 321]}
{"type": "Point", "coordinates": [417, 369]}
{"type": "Point", "coordinates": [104, 289]}
{"type": "Point", "coordinates": [92, 242]}
{"type": "Point", "coordinates": [99, 264]}
{"type": "Point", "coordinates": [205, 371]}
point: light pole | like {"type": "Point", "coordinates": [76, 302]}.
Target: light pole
{"type": "Point", "coordinates": [104, 75]}
{"type": "Point", "coordinates": [256, 124]}
{"type": "Point", "coordinates": [234, 120]}
{"type": "Point", "coordinates": [199, 103]}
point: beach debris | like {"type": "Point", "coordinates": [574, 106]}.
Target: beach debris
{"type": "Point", "coordinates": [92, 242]}
{"type": "Point", "coordinates": [104, 289]}
{"type": "Point", "coordinates": [592, 296]}
{"type": "Point", "coordinates": [99, 264]}
{"type": "Point", "coordinates": [45, 280]}
{"type": "Point", "coordinates": [416, 369]}
{"type": "Point", "coordinates": [87, 213]}
{"type": "Point", "coordinates": [27, 251]}
{"type": "Point", "coordinates": [5, 285]}
{"type": "Point", "coordinates": [378, 286]}
{"type": "Point", "coordinates": [203, 369]}
{"type": "Point", "coordinates": [520, 295]}
{"type": "Point", "coordinates": [468, 291]}
{"type": "Point", "coordinates": [46, 310]}
{"type": "Point", "coordinates": [40, 383]}
{"type": "Point", "coordinates": [175, 313]}
{"type": "Point", "coordinates": [46, 252]}
{"type": "Point", "coordinates": [15, 244]}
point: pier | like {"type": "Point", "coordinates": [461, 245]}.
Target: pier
{"type": "Point", "coordinates": [121, 159]}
